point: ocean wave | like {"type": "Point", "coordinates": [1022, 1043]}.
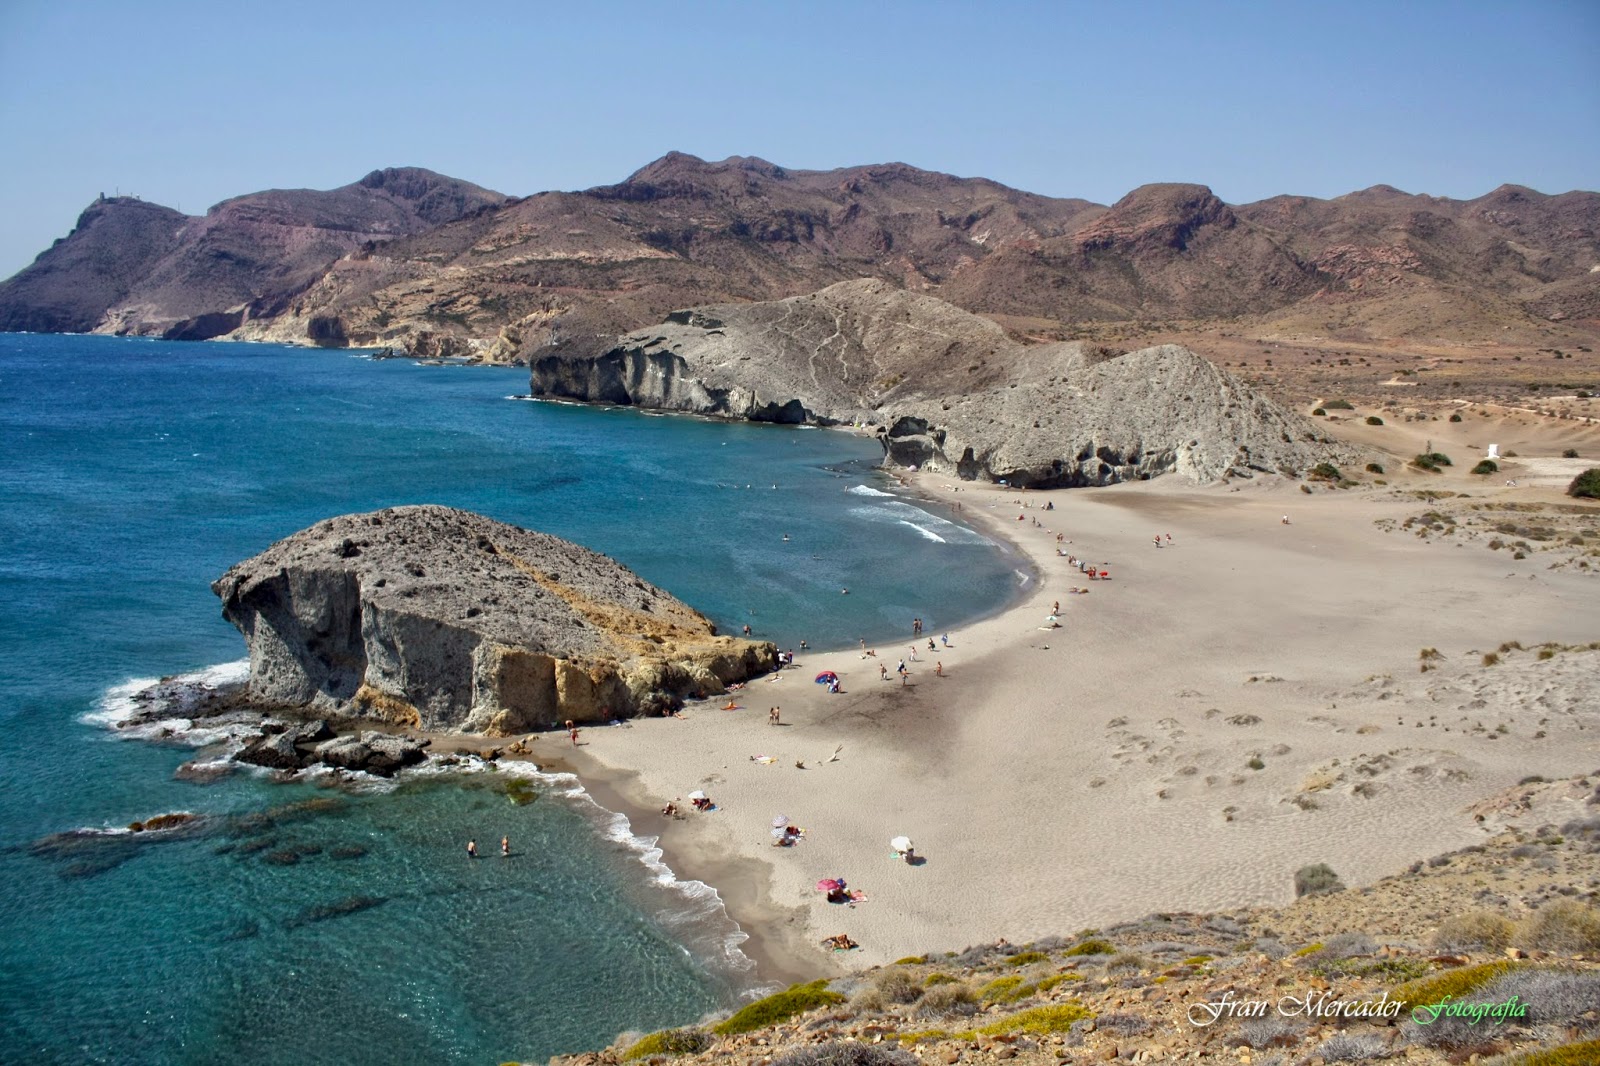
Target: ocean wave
{"type": "Point", "coordinates": [121, 704]}
{"type": "Point", "coordinates": [867, 490]}
{"type": "Point", "coordinates": [929, 526]}
{"type": "Point", "coordinates": [926, 533]}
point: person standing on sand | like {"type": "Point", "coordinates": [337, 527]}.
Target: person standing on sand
{"type": "Point", "coordinates": [883, 671]}
{"type": "Point", "coordinates": [472, 849]}
{"type": "Point", "coordinates": [773, 717]}
{"type": "Point", "coordinates": [572, 732]}
{"type": "Point", "coordinates": [913, 653]}
{"type": "Point", "coordinates": [505, 847]}
{"type": "Point", "coordinates": [938, 668]}
{"type": "Point", "coordinates": [1285, 519]}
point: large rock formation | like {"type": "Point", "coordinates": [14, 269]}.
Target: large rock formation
{"type": "Point", "coordinates": [445, 620]}
{"type": "Point", "coordinates": [949, 390]}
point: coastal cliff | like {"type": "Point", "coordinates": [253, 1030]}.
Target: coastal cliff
{"type": "Point", "coordinates": [949, 390]}
{"type": "Point", "coordinates": [440, 619]}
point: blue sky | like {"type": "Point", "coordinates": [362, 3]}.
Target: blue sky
{"type": "Point", "coordinates": [189, 103]}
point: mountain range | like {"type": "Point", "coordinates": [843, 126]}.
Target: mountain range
{"type": "Point", "coordinates": [413, 260]}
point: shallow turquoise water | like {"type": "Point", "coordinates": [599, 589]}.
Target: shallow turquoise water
{"type": "Point", "coordinates": [134, 472]}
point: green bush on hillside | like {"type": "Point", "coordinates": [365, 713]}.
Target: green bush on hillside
{"type": "Point", "coordinates": [779, 1007]}
{"type": "Point", "coordinates": [1325, 472]}
{"type": "Point", "coordinates": [1374, 420]}
{"type": "Point", "coordinates": [1316, 879]}
{"type": "Point", "coordinates": [1586, 486]}
{"type": "Point", "coordinates": [671, 1042]}
{"type": "Point", "coordinates": [1486, 466]}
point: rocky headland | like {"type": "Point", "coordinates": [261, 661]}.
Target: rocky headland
{"type": "Point", "coordinates": [441, 620]}
{"type": "Point", "coordinates": [949, 390]}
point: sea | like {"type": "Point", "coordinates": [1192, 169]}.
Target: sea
{"type": "Point", "coordinates": [299, 922]}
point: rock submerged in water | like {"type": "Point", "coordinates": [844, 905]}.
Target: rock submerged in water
{"type": "Point", "coordinates": [434, 618]}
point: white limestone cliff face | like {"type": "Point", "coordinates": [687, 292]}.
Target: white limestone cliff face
{"type": "Point", "coordinates": [949, 390]}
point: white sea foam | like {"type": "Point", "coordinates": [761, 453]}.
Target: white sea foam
{"type": "Point", "coordinates": [118, 704]}
{"type": "Point", "coordinates": [695, 913]}
{"type": "Point", "coordinates": [927, 534]}
{"type": "Point", "coordinates": [867, 490]}
{"type": "Point", "coordinates": [929, 526]}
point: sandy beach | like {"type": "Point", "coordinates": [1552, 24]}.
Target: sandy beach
{"type": "Point", "coordinates": [1240, 702]}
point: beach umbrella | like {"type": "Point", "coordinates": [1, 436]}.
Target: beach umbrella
{"type": "Point", "coordinates": [901, 843]}
{"type": "Point", "coordinates": [779, 831]}
{"type": "Point", "coordinates": [780, 821]}
{"type": "Point", "coordinates": [827, 676]}
{"type": "Point", "coordinates": [697, 795]}
{"type": "Point", "coordinates": [829, 884]}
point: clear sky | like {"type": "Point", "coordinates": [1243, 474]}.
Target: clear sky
{"type": "Point", "coordinates": [187, 103]}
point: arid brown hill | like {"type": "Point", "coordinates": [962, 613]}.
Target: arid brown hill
{"type": "Point", "coordinates": [133, 267]}
{"type": "Point", "coordinates": [568, 271]}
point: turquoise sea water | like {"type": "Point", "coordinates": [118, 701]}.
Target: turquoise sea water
{"type": "Point", "coordinates": [303, 924]}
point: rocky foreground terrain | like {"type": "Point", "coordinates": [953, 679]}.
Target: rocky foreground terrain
{"type": "Point", "coordinates": [950, 390]}
{"type": "Point", "coordinates": [1338, 976]}
{"type": "Point", "coordinates": [442, 620]}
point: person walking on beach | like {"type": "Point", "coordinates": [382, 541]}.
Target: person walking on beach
{"type": "Point", "coordinates": [883, 671]}
{"type": "Point", "coordinates": [1285, 519]}
{"type": "Point", "coordinates": [938, 668]}
{"type": "Point", "coordinates": [913, 653]}
{"type": "Point", "coordinates": [901, 669]}
{"type": "Point", "coordinates": [773, 717]}
{"type": "Point", "coordinates": [505, 847]}
{"type": "Point", "coordinates": [944, 638]}
{"type": "Point", "coordinates": [472, 849]}
{"type": "Point", "coordinates": [572, 732]}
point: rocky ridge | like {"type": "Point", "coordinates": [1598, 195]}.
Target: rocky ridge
{"type": "Point", "coordinates": [418, 262]}
{"type": "Point", "coordinates": [950, 390]}
{"type": "Point", "coordinates": [135, 267]}
{"type": "Point", "coordinates": [438, 619]}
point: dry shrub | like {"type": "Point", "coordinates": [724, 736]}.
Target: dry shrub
{"type": "Point", "coordinates": [1474, 931]}
{"type": "Point", "coordinates": [1565, 925]}
{"type": "Point", "coordinates": [1127, 960]}
{"type": "Point", "coordinates": [944, 1001]}
{"type": "Point", "coordinates": [896, 985]}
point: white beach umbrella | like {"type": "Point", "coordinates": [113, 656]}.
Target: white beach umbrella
{"type": "Point", "coordinates": [780, 821]}
{"type": "Point", "coordinates": [901, 843]}
{"type": "Point", "coordinates": [697, 794]}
